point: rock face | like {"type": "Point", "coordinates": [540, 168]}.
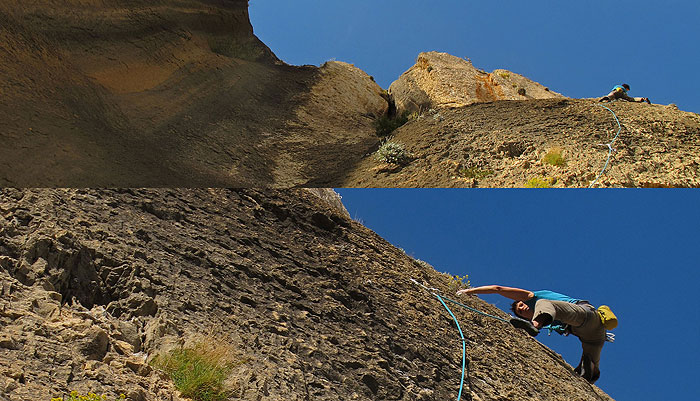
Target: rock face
{"type": "Point", "coordinates": [513, 143]}
{"type": "Point", "coordinates": [140, 93]}
{"type": "Point", "coordinates": [331, 128]}
{"type": "Point", "coordinates": [95, 283]}
{"type": "Point", "coordinates": [440, 80]}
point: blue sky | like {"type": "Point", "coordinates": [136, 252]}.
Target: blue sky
{"type": "Point", "coordinates": [578, 48]}
{"type": "Point", "coordinates": [634, 250]}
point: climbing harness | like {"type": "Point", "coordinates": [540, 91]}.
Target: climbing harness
{"type": "Point", "coordinates": [609, 145]}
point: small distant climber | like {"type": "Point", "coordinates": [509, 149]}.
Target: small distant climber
{"type": "Point", "coordinates": [620, 92]}
{"type": "Point", "coordinates": [546, 309]}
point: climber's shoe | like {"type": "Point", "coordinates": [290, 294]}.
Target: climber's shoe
{"type": "Point", "coordinates": [587, 369]}
{"type": "Point", "coordinates": [525, 325]}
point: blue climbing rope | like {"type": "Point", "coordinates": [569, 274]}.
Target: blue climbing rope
{"type": "Point", "coordinates": [464, 345]}
{"type": "Point", "coordinates": [436, 291]}
{"type": "Point", "coordinates": [609, 336]}
{"type": "Point", "coordinates": [609, 145]}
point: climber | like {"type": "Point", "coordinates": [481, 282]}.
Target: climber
{"type": "Point", "coordinates": [557, 312]}
{"type": "Point", "coordinates": [620, 92]}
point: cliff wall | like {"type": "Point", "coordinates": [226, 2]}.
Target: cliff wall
{"type": "Point", "coordinates": [311, 305]}
{"type": "Point", "coordinates": [175, 93]}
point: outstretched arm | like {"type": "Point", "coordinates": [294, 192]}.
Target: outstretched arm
{"type": "Point", "coordinates": [515, 294]}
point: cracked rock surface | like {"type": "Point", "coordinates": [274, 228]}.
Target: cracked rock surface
{"type": "Point", "coordinates": [315, 306]}
{"type": "Point", "coordinates": [504, 144]}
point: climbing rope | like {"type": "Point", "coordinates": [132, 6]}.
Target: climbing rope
{"type": "Point", "coordinates": [436, 291]}
{"type": "Point", "coordinates": [442, 299]}
{"type": "Point", "coordinates": [609, 337]}
{"type": "Point", "coordinates": [477, 311]}
{"type": "Point", "coordinates": [464, 346]}
{"type": "Point", "coordinates": [609, 145]}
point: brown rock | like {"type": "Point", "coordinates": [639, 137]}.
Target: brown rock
{"type": "Point", "coordinates": [123, 347]}
{"type": "Point", "coordinates": [503, 143]}
{"type": "Point", "coordinates": [140, 304]}
{"type": "Point", "coordinates": [138, 366]}
{"type": "Point", "coordinates": [137, 394]}
{"type": "Point", "coordinates": [15, 373]}
{"type": "Point", "coordinates": [46, 307]}
{"type": "Point", "coordinates": [332, 198]}
{"type": "Point", "coordinates": [200, 69]}
{"type": "Point", "coordinates": [441, 80]}
{"type": "Point", "coordinates": [10, 385]}
{"type": "Point", "coordinates": [301, 311]}
{"type": "Point", "coordinates": [129, 332]}
{"type": "Point", "coordinates": [94, 344]}
{"type": "Point", "coordinates": [9, 342]}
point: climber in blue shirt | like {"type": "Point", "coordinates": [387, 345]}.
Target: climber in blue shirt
{"type": "Point", "coordinates": [620, 92]}
{"type": "Point", "coordinates": [536, 310]}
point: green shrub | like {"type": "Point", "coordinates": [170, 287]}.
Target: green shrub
{"type": "Point", "coordinates": [474, 172]}
{"type": "Point", "coordinates": [538, 182]}
{"type": "Point", "coordinates": [392, 152]}
{"type": "Point", "coordinates": [199, 371]}
{"type": "Point", "coordinates": [554, 157]}
{"type": "Point", "coordinates": [385, 125]}
{"type": "Point", "coordinates": [504, 75]}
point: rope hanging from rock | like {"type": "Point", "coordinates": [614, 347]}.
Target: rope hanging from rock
{"type": "Point", "coordinates": [464, 346]}
{"type": "Point", "coordinates": [609, 145]}
{"type": "Point", "coordinates": [435, 292]}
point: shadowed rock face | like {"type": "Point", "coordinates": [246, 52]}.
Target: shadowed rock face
{"type": "Point", "coordinates": [312, 305]}
{"type": "Point", "coordinates": [141, 92]}
{"type": "Point", "coordinates": [181, 93]}
{"type": "Point", "coordinates": [441, 80]}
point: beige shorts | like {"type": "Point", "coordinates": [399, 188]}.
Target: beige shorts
{"type": "Point", "coordinates": [584, 321]}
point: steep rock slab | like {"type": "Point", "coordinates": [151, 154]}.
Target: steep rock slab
{"type": "Point", "coordinates": [504, 144]}
{"type": "Point", "coordinates": [93, 283]}
{"type": "Point", "coordinates": [331, 128]}
{"type": "Point", "coordinates": [442, 80]}
{"type": "Point", "coordinates": [156, 93]}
